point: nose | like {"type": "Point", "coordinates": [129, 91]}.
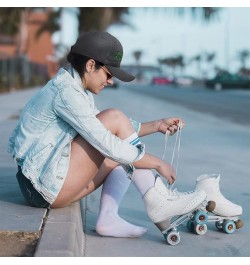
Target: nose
{"type": "Point", "coordinates": [110, 81]}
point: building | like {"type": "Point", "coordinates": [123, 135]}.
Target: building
{"type": "Point", "coordinates": [38, 49]}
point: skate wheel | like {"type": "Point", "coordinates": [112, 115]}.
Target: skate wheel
{"type": "Point", "coordinates": [190, 225]}
{"type": "Point", "coordinates": [210, 206]}
{"type": "Point", "coordinates": [229, 226]}
{"type": "Point", "coordinates": [173, 238]}
{"type": "Point", "coordinates": [239, 224]}
{"type": "Point", "coordinates": [218, 225]}
{"type": "Point", "coordinates": [200, 217]}
{"type": "Point", "coordinates": [200, 229]}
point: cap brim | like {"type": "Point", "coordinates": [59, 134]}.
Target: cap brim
{"type": "Point", "coordinates": [120, 74]}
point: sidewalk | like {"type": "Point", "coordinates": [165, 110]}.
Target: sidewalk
{"type": "Point", "coordinates": [59, 232]}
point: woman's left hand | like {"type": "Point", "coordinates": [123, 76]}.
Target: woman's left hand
{"type": "Point", "coordinates": [169, 125]}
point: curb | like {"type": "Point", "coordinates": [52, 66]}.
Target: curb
{"type": "Point", "coordinates": [63, 233]}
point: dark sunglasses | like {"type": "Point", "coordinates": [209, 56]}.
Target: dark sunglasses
{"type": "Point", "coordinates": [109, 76]}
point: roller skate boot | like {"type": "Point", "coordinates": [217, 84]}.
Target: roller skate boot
{"type": "Point", "coordinates": [169, 208]}
{"type": "Point", "coordinates": [226, 213]}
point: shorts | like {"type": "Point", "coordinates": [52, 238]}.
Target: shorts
{"type": "Point", "coordinates": [31, 195]}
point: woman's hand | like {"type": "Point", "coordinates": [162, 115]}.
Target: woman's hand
{"type": "Point", "coordinates": [169, 125]}
{"type": "Point", "coordinates": [149, 161]}
{"type": "Point", "coordinates": [167, 171]}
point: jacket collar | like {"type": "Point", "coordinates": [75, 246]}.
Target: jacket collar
{"type": "Point", "coordinates": [76, 76]}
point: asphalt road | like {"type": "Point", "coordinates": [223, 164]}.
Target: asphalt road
{"type": "Point", "coordinates": [227, 104]}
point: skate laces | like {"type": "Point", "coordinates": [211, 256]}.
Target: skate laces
{"type": "Point", "coordinates": [175, 193]}
{"type": "Point", "coordinates": [176, 149]}
{"type": "Point", "coordinates": [177, 143]}
{"type": "Point", "coordinates": [176, 153]}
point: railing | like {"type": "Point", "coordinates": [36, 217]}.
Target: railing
{"type": "Point", "coordinates": [18, 72]}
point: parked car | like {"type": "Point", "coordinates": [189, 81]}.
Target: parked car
{"type": "Point", "coordinates": [184, 81]}
{"type": "Point", "coordinates": [227, 80]}
{"type": "Point", "coordinates": [161, 80]}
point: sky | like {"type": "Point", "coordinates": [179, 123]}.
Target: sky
{"type": "Point", "coordinates": [161, 34]}
{"type": "Point", "coordinates": [158, 33]}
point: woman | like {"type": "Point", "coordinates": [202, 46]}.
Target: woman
{"type": "Point", "coordinates": [65, 148]}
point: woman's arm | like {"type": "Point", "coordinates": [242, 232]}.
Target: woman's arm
{"type": "Point", "coordinates": [162, 125]}
{"type": "Point", "coordinates": [152, 162]}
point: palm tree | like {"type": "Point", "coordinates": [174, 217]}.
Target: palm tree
{"type": "Point", "coordinates": [173, 63]}
{"type": "Point", "coordinates": [243, 55]}
{"type": "Point", "coordinates": [137, 55]}
{"type": "Point", "coordinates": [100, 18]}
{"type": "Point", "coordinates": [209, 59]}
{"type": "Point", "coordinates": [97, 18]}
{"type": "Point", "coordinates": [180, 61]}
{"type": "Point", "coordinates": [202, 13]}
{"type": "Point", "coordinates": [197, 58]}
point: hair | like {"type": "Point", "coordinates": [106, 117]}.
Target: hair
{"type": "Point", "coordinates": [79, 62]}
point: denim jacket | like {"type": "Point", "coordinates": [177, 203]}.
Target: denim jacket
{"type": "Point", "coordinates": [41, 141]}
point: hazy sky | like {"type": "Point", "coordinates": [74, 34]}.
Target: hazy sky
{"type": "Point", "coordinates": [160, 34]}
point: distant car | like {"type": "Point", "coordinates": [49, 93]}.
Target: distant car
{"type": "Point", "coordinates": [184, 81]}
{"type": "Point", "coordinates": [227, 80]}
{"type": "Point", "coordinates": [161, 80]}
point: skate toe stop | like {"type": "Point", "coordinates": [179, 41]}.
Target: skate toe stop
{"type": "Point", "coordinates": [239, 224]}
{"type": "Point", "coordinates": [210, 206]}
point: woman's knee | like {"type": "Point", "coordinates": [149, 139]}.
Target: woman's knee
{"type": "Point", "coordinates": [115, 121]}
{"type": "Point", "coordinates": [113, 114]}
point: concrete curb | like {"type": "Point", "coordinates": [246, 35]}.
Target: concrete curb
{"type": "Point", "coordinates": [62, 229]}
{"type": "Point", "coordinates": [62, 234]}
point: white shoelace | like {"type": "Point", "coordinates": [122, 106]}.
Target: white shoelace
{"type": "Point", "coordinates": [175, 193]}
{"type": "Point", "coordinates": [176, 153]}
{"type": "Point", "coordinates": [178, 145]}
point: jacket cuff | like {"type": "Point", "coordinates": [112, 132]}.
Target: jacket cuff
{"type": "Point", "coordinates": [136, 125]}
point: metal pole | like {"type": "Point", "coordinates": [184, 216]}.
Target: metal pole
{"type": "Point", "coordinates": [227, 40]}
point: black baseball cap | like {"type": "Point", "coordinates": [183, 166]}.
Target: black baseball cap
{"type": "Point", "coordinates": [104, 48]}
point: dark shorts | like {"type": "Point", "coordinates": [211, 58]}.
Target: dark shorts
{"type": "Point", "coordinates": [31, 195]}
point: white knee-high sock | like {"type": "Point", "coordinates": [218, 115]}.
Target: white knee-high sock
{"type": "Point", "coordinates": [143, 179]}
{"type": "Point", "coordinates": [109, 223]}
{"type": "Point", "coordinates": [115, 186]}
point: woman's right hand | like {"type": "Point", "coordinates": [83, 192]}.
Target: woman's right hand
{"type": "Point", "coordinates": [167, 171]}
{"type": "Point", "coordinates": [152, 162]}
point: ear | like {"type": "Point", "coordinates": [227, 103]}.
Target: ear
{"type": "Point", "coordinates": [90, 65]}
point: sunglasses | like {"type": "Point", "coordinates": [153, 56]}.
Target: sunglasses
{"type": "Point", "coordinates": [109, 76]}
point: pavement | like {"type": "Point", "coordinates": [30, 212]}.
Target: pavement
{"type": "Point", "coordinates": [209, 144]}
{"type": "Point", "coordinates": [60, 230]}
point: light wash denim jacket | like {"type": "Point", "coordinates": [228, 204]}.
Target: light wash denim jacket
{"type": "Point", "coordinates": [41, 141]}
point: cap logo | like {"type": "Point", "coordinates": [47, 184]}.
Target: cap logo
{"type": "Point", "coordinates": [118, 56]}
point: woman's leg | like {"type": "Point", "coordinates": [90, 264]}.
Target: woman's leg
{"type": "Point", "coordinates": [109, 223]}
{"type": "Point", "coordinates": [88, 168]}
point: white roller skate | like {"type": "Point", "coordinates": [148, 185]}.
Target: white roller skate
{"type": "Point", "coordinates": [169, 208]}
{"type": "Point", "coordinates": [226, 213]}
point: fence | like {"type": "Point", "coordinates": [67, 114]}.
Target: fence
{"type": "Point", "coordinates": [18, 72]}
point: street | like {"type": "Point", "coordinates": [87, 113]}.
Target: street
{"type": "Point", "coordinates": [228, 104]}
